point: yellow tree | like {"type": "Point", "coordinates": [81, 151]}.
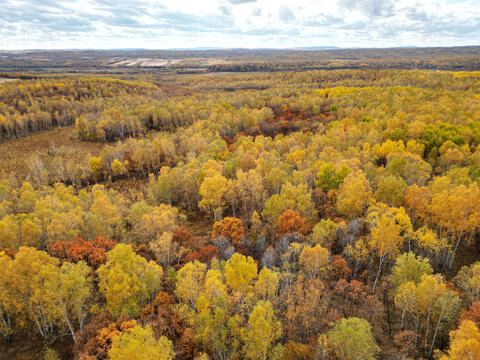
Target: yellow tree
{"type": "Point", "coordinates": [431, 305]}
{"type": "Point", "coordinates": [26, 283]}
{"type": "Point", "coordinates": [251, 192]}
{"type": "Point", "coordinates": [389, 226]}
{"type": "Point", "coordinates": [468, 279]}
{"type": "Point", "coordinates": [166, 250]}
{"type": "Point", "coordinates": [106, 219]}
{"type": "Point", "coordinates": [406, 301]}
{"type": "Point", "coordinates": [354, 195]}
{"type": "Point", "coordinates": [464, 342]}
{"type": "Point", "coordinates": [409, 267]}
{"type": "Point", "coordinates": [190, 282]}
{"type": "Point", "coordinates": [240, 272]}
{"type": "Point", "coordinates": [140, 343]}
{"type": "Point", "coordinates": [390, 190]}
{"type": "Point", "coordinates": [128, 281]}
{"type": "Point", "coordinates": [8, 303]}
{"type": "Point", "coordinates": [154, 223]}
{"type": "Point", "coordinates": [218, 331]}
{"type": "Point", "coordinates": [292, 197]}
{"type": "Point", "coordinates": [213, 192]}
{"type": "Point", "coordinates": [214, 285]}
{"type": "Point", "coordinates": [262, 331]}
{"type": "Point", "coordinates": [324, 233]}
{"type": "Point", "coordinates": [65, 292]}
{"type": "Point", "coordinates": [315, 261]}
{"type": "Point", "coordinates": [267, 284]}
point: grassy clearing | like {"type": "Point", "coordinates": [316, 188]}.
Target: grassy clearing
{"type": "Point", "coordinates": [16, 154]}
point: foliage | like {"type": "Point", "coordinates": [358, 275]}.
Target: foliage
{"type": "Point", "coordinates": [128, 281]}
{"type": "Point", "coordinates": [352, 339]}
{"type": "Point", "coordinates": [139, 342]}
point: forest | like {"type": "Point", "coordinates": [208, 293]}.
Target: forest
{"type": "Point", "coordinates": [315, 214]}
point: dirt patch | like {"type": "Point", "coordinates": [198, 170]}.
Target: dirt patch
{"type": "Point", "coordinates": [34, 348]}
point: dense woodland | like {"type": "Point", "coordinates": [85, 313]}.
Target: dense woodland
{"type": "Point", "coordinates": [325, 214]}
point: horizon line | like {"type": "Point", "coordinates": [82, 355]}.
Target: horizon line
{"type": "Point", "coordinates": [213, 48]}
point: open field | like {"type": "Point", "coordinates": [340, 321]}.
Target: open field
{"type": "Point", "coordinates": [17, 155]}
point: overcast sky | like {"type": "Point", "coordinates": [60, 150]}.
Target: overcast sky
{"type": "Point", "coordinates": [152, 24]}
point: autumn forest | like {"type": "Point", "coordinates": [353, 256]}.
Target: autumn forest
{"type": "Point", "coordinates": [272, 208]}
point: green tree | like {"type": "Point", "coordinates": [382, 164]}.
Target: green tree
{"type": "Point", "coordinates": [409, 267]}
{"type": "Point", "coordinates": [352, 339]}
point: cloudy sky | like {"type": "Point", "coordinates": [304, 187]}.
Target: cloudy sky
{"type": "Point", "coordinates": [153, 24]}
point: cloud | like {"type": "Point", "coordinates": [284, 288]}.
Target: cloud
{"type": "Point", "coordinates": [370, 7]}
{"type": "Point", "coordinates": [257, 12]}
{"type": "Point", "coordinates": [227, 23]}
{"type": "Point", "coordinates": [286, 14]}
{"type": "Point", "coordinates": [236, 2]}
{"type": "Point", "coordinates": [225, 10]}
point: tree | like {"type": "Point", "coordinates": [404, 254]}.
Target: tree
{"type": "Point", "coordinates": [291, 222]}
{"type": "Point", "coordinates": [389, 226]}
{"type": "Point", "coordinates": [261, 332]}
{"type": "Point", "coordinates": [390, 190]}
{"type": "Point", "coordinates": [240, 271]}
{"type": "Point", "coordinates": [156, 222]}
{"type": "Point", "coordinates": [7, 298]}
{"type": "Point", "coordinates": [66, 291]}
{"type": "Point", "coordinates": [267, 284]}
{"type": "Point", "coordinates": [468, 279]}
{"type": "Point", "coordinates": [93, 252]}
{"type": "Point", "coordinates": [251, 192]}
{"type": "Point", "coordinates": [140, 343]}
{"type": "Point", "coordinates": [472, 314]}
{"type": "Point", "coordinates": [218, 331]}
{"type": "Point", "coordinates": [354, 195]}
{"type": "Point", "coordinates": [324, 233]}
{"type": "Point", "coordinates": [431, 305]}
{"type": "Point", "coordinates": [464, 342]}
{"type": "Point", "coordinates": [190, 282]}
{"type": "Point", "coordinates": [229, 227]}
{"type": "Point", "coordinates": [118, 168]}
{"type": "Point", "coordinates": [352, 339]}
{"type": "Point", "coordinates": [166, 250]}
{"type": "Point", "coordinates": [106, 217]}
{"type": "Point", "coordinates": [409, 267]}
{"type": "Point", "coordinates": [315, 261]}
{"type": "Point", "coordinates": [329, 178]}
{"type": "Point", "coordinates": [128, 281]}
{"type": "Point", "coordinates": [26, 287]}
{"type": "Point", "coordinates": [307, 309]}
{"type": "Point", "coordinates": [213, 192]}
{"type": "Point", "coordinates": [354, 299]}
{"type": "Point", "coordinates": [292, 197]}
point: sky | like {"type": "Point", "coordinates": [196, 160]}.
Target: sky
{"type": "Point", "coordinates": [153, 24]}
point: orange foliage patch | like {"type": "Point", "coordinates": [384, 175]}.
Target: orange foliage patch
{"type": "Point", "coordinates": [291, 222]}
{"type": "Point", "coordinates": [231, 228]}
{"type": "Point", "coordinates": [91, 251]}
